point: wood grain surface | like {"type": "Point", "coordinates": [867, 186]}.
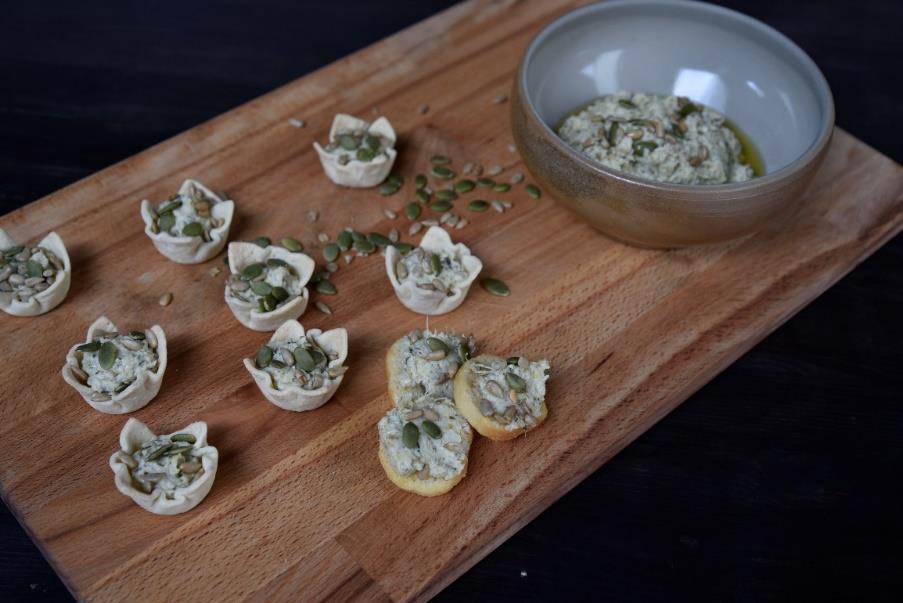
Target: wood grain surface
{"type": "Point", "coordinates": [300, 503]}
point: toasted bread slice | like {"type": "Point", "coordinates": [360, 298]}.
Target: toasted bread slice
{"type": "Point", "coordinates": [414, 369]}
{"type": "Point", "coordinates": [437, 462]}
{"type": "Point", "coordinates": [499, 406]}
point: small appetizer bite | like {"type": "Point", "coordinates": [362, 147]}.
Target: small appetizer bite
{"type": "Point", "coordinates": [267, 284]}
{"type": "Point", "coordinates": [435, 277]}
{"type": "Point", "coordinates": [117, 372]}
{"type": "Point", "coordinates": [34, 279]}
{"type": "Point", "coordinates": [167, 474]}
{"type": "Point", "coordinates": [502, 398]}
{"type": "Point", "coordinates": [297, 370]}
{"type": "Point", "coordinates": [424, 363]}
{"type": "Point", "coordinates": [191, 226]}
{"type": "Point", "coordinates": [424, 448]}
{"type": "Point", "coordinates": [359, 154]}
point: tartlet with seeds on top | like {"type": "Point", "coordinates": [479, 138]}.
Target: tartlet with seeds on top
{"type": "Point", "coordinates": [425, 363]}
{"type": "Point", "coordinates": [191, 226]}
{"type": "Point", "coordinates": [501, 398]}
{"type": "Point", "coordinates": [267, 285]}
{"type": "Point", "coordinates": [358, 154]}
{"type": "Point", "coordinates": [424, 448]}
{"type": "Point", "coordinates": [435, 277]}
{"type": "Point", "coordinates": [34, 279]}
{"type": "Point", "coordinates": [167, 474]}
{"type": "Point", "coordinates": [117, 372]}
{"type": "Point", "coordinates": [298, 370]}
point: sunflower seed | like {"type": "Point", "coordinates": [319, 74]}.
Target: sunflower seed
{"type": "Point", "coordinates": [390, 213]}
{"type": "Point", "coordinates": [430, 415]}
{"type": "Point", "coordinates": [298, 123]}
{"type": "Point", "coordinates": [424, 472]}
{"type": "Point", "coordinates": [453, 447]}
{"type": "Point", "coordinates": [423, 109]}
{"type": "Point", "coordinates": [495, 388]}
{"type": "Point", "coordinates": [512, 148]}
{"type": "Point", "coordinates": [323, 237]}
{"type": "Point", "coordinates": [401, 271]}
{"type": "Point", "coordinates": [79, 373]}
{"type": "Point", "coordinates": [165, 299]}
{"type": "Point", "coordinates": [430, 222]}
{"type": "Point", "coordinates": [468, 168]}
{"type": "Point", "coordinates": [495, 170]}
{"type": "Point", "coordinates": [497, 206]}
{"type": "Point", "coordinates": [505, 203]}
{"type": "Point", "coordinates": [313, 215]}
{"type": "Point", "coordinates": [435, 354]}
{"type": "Point", "coordinates": [264, 356]}
{"type": "Point", "coordinates": [501, 98]}
{"type": "Point", "coordinates": [495, 287]}
{"type": "Point", "coordinates": [510, 413]}
{"type": "Point", "coordinates": [412, 414]}
{"type": "Point", "coordinates": [348, 258]}
{"type": "Point", "coordinates": [322, 307]}
{"type": "Point", "coordinates": [515, 382]}
{"type": "Point", "coordinates": [461, 223]}
{"type": "Point", "coordinates": [414, 228]}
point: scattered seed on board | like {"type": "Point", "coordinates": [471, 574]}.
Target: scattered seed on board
{"type": "Point", "coordinates": [332, 267]}
{"type": "Point", "coordinates": [501, 98]}
{"type": "Point", "coordinates": [495, 287]}
{"type": "Point", "coordinates": [497, 206]}
{"type": "Point", "coordinates": [506, 204]}
{"type": "Point", "coordinates": [423, 109]}
{"type": "Point", "coordinates": [323, 237]}
{"type": "Point", "coordinates": [461, 223]}
{"type": "Point", "coordinates": [430, 222]}
{"type": "Point", "coordinates": [517, 178]}
{"type": "Point", "coordinates": [326, 288]}
{"type": "Point", "coordinates": [414, 228]}
{"type": "Point", "coordinates": [390, 213]}
{"type": "Point", "coordinates": [331, 252]}
{"type": "Point", "coordinates": [495, 170]}
{"type": "Point", "coordinates": [312, 215]}
{"type": "Point", "coordinates": [348, 258]}
{"type": "Point", "coordinates": [393, 235]}
{"type": "Point", "coordinates": [322, 307]}
{"type": "Point", "coordinates": [165, 299]}
{"type": "Point", "coordinates": [512, 148]}
{"type": "Point", "coordinates": [468, 168]}
{"type": "Point", "coordinates": [533, 191]}
{"type": "Point", "coordinates": [214, 271]}
{"type": "Point", "coordinates": [291, 244]}
{"type": "Point", "coordinates": [298, 123]}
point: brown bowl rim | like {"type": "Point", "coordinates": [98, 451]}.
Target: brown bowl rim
{"type": "Point", "coordinates": [737, 189]}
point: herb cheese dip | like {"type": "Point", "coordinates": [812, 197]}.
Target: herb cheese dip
{"type": "Point", "coordinates": [111, 363]}
{"type": "Point", "coordinates": [511, 391]}
{"type": "Point", "coordinates": [659, 137]}
{"type": "Point", "coordinates": [299, 362]}
{"type": "Point", "coordinates": [186, 214]}
{"type": "Point", "coordinates": [167, 463]}
{"type": "Point", "coordinates": [267, 285]}
{"type": "Point", "coordinates": [437, 271]}
{"type": "Point", "coordinates": [427, 362]}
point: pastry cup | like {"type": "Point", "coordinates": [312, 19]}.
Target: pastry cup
{"type": "Point", "coordinates": [133, 435]}
{"type": "Point", "coordinates": [48, 299]}
{"type": "Point", "coordinates": [358, 174]}
{"type": "Point", "coordinates": [136, 395]}
{"type": "Point", "coordinates": [191, 250]}
{"type": "Point", "coordinates": [243, 254]}
{"type": "Point", "coordinates": [423, 301]}
{"type": "Point", "coordinates": [296, 398]}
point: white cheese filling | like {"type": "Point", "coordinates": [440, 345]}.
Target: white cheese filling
{"type": "Point", "coordinates": [432, 271]}
{"type": "Point", "coordinates": [659, 137]}
{"type": "Point", "coordinates": [133, 357]}
{"type": "Point", "coordinates": [181, 210]}
{"type": "Point", "coordinates": [424, 370]}
{"type": "Point", "coordinates": [286, 371]}
{"type": "Point", "coordinates": [432, 458]}
{"type": "Point", "coordinates": [166, 465]}
{"type": "Point", "coordinates": [513, 401]}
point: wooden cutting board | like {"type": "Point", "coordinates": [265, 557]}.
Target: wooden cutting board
{"type": "Point", "coordinates": [301, 508]}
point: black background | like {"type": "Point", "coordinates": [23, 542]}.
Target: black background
{"type": "Point", "coordinates": [779, 480]}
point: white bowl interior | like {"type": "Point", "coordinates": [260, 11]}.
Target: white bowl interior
{"type": "Point", "coordinates": [749, 72]}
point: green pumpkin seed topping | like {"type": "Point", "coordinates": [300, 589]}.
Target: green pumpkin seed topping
{"type": "Point", "coordinates": [463, 352]}
{"type": "Point", "coordinates": [264, 356]}
{"type": "Point", "coordinates": [437, 345]}
{"type": "Point", "coordinates": [107, 354]}
{"type": "Point", "coordinates": [344, 240]}
{"type": "Point", "coordinates": [349, 142]}
{"type": "Point", "coordinates": [364, 246]}
{"type": "Point", "coordinates": [91, 346]}
{"type": "Point", "coordinates": [166, 222]}
{"type": "Point", "coordinates": [387, 188]}
{"type": "Point", "coordinates": [641, 147]}
{"type": "Point", "coordinates": [183, 437]}
{"type": "Point", "coordinates": [626, 103]}
{"type": "Point", "coordinates": [252, 271]}
{"type": "Point", "coordinates": [485, 182]}
{"type": "Point", "coordinates": [404, 247]}
{"type": "Point", "coordinates": [422, 195]}
{"type": "Point", "coordinates": [280, 294]}
{"type": "Point", "coordinates": [193, 229]}
{"type": "Point", "coordinates": [446, 195]}
{"type": "Point", "coordinates": [410, 435]}
{"type": "Point", "coordinates": [395, 179]}
{"type": "Point", "coordinates": [435, 263]}
{"type": "Point", "coordinates": [372, 142]}
{"type": "Point", "coordinates": [431, 429]}
{"type": "Point", "coordinates": [515, 382]}
{"type": "Point", "coordinates": [495, 287]}
{"type": "Point", "coordinates": [262, 242]}
{"type": "Point", "coordinates": [364, 154]}
{"type": "Point", "coordinates": [501, 187]}
{"type": "Point", "coordinates": [34, 268]}
{"type": "Point", "coordinates": [138, 335]}
{"type": "Point", "coordinates": [304, 359]}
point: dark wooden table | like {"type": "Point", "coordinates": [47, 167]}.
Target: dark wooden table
{"type": "Point", "coordinates": [780, 480]}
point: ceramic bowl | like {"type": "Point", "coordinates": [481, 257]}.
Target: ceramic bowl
{"type": "Point", "coordinates": [759, 79]}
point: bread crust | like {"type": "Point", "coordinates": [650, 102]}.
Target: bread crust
{"type": "Point", "coordinates": [469, 405]}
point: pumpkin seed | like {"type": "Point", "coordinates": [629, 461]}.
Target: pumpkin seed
{"type": "Point", "coordinates": [395, 179]}
{"type": "Point", "coordinates": [331, 252]}
{"type": "Point", "coordinates": [344, 240]}
{"type": "Point", "coordinates": [372, 142]}
{"type": "Point", "coordinates": [465, 186]}
{"type": "Point", "coordinates": [387, 188]}
{"type": "Point", "coordinates": [166, 222]}
{"type": "Point", "coordinates": [91, 346]}
{"type": "Point", "coordinates": [323, 237]}
{"type": "Point", "coordinates": [501, 187]}
{"type": "Point", "coordinates": [34, 269]}
{"type": "Point", "coordinates": [431, 429]}
{"type": "Point", "coordinates": [463, 352]}
{"type": "Point", "coordinates": [190, 467]}
{"type": "Point", "coordinates": [626, 103]}
{"type": "Point", "coordinates": [262, 242]}
{"type": "Point", "coordinates": [378, 239]}
{"type": "Point", "coordinates": [252, 271]}
{"type": "Point", "coordinates": [415, 228]}
{"type": "Point", "coordinates": [170, 207]}
{"type": "Point", "coordinates": [437, 345]}
{"type": "Point", "coordinates": [390, 213]}
{"type": "Point", "coordinates": [420, 181]}
{"type": "Point", "coordinates": [291, 244]}
{"type": "Point", "coordinates": [440, 171]}
{"type": "Point", "coordinates": [325, 287]}
{"type": "Point", "coordinates": [495, 287]}
{"type": "Point", "coordinates": [277, 263]}
{"type": "Point", "coordinates": [533, 191]}
{"type": "Point", "coordinates": [412, 210]}
{"type": "Point", "coordinates": [262, 288]}
{"type": "Point", "coordinates": [280, 294]}
{"type": "Point", "coordinates": [440, 206]}
{"type": "Point", "coordinates": [410, 435]}
{"type": "Point", "coordinates": [446, 195]}
{"type": "Point", "coordinates": [137, 335]}
{"type": "Point", "coordinates": [158, 452]}
{"type": "Point", "coordinates": [348, 142]}
{"type": "Point", "coordinates": [422, 195]}
{"type": "Point", "coordinates": [364, 246]}
{"type": "Point", "coordinates": [183, 437]}
{"type": "Point", "coordinates": [193, 229]}
{"type": "Point", "coordinates": [515, 382]}
{"type": "Point", "coordinates": [478, 205]}
{"type": "Point", "coordinates": [107, 355]}
{"type": "Point", "coordinates": [303, 359]}
{"type": "Point", "coordinates": [264, 356]}
{"type": "Point", "coordinates": [640, 148]}
{"type": "Point", "coordinates": [404, 247]}
{"type": "Point", "coordinates": [440, 160]}
{"type": "Point", "coordinates": [485, 182]}
{"type": "Point", "coordinates": [435, 263]}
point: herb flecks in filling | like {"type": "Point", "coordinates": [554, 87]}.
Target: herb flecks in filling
{"type": "Point", "coordinates": [430, 271]}
{"type": "Point", "coordinates": [111, 363]}
{"type": "Point", "coordinates": [186, 215]}
{"type": "Point", "coordinates": [659, 137]}
{"type": "Point", "coordinates": [511, 392]}
{"type": "Point", "coordinates": [266, 285]}
{"type": "Point", "coordinates": [26, 270]}
{"type": "Point", "coordinates": [298, 362]}
{"type": "Point", "coordinates": [166, 463]}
